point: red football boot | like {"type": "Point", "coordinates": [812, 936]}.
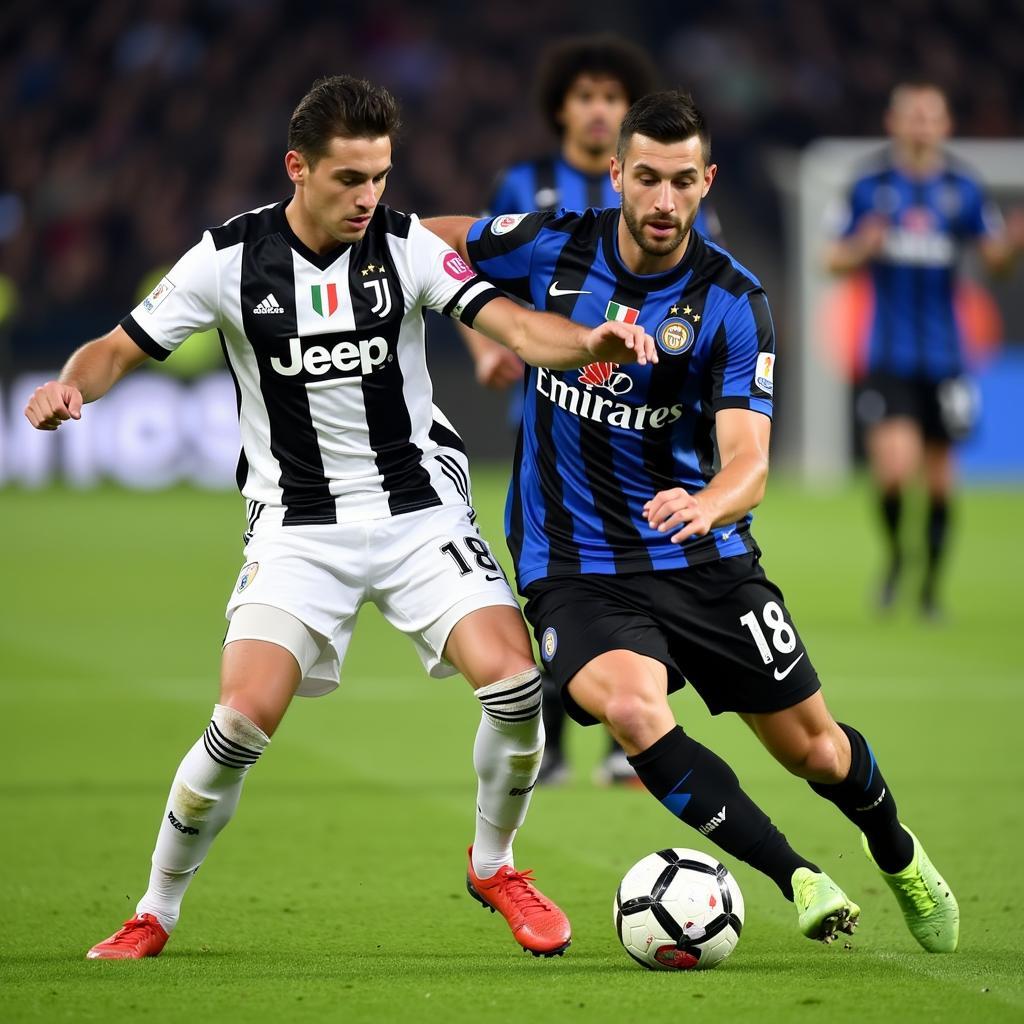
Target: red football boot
{"type": "Point", "coordinates": [537, 924]}
{"type": "Point", "coordinates": [139, 936]}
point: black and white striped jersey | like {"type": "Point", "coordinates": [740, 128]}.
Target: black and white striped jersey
{"type": "Point", "coordinates": [327, 352]}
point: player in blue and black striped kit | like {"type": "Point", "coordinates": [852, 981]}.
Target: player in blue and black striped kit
{"type": "Point", "coordinates": [585, 85]}
{"type": "Point", "coordinates": [629, 520]}
{"type": "Point", "coordinates": [909, 218]}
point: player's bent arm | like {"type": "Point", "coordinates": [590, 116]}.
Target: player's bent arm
{"type": "Point", "coordinates": [89, 374]}
{"type": "Point", "coordinates": [547, 339]}
{"type": "Point", "coordinates": [738, 487]}
{"type": "Point", "coordinates": [453, 231]}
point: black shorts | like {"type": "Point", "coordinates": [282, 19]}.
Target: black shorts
{"type": "Point", "coordinates": [723, 626]}
{"type": "Point", "coordinates": [946, 409]}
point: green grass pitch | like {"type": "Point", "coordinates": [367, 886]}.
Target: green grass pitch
{"type": "Point", "coordinates": [338, 891]}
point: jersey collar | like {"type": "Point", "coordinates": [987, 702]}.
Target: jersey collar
{"type": "Point", "coordinates": [610, 243]}
{"type": "Point", "coordinates": [322, 261]}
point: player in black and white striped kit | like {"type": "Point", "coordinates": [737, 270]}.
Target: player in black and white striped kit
{"type": "Point", "coordinates": [357, 487]}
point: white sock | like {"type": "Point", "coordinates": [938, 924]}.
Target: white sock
{"type": "Point", "coordinates": [203, 797]}
{"type": "Point", "coordinates": [506, 755]}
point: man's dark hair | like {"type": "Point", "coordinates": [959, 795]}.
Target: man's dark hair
{"type": "Point", "coordinates": [341, 106]}
{"type": "Point", "coordinates": [603, 56]}
{"type": "Point", "coordinates": [665, 117]}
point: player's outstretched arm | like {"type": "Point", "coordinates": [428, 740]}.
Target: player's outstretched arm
{"type": "Point", "coordinates": [736, 488]}
{"type": "Point", "coordinates": [547, 339]}
{"type": "Point", "coordinates": [89, 374]}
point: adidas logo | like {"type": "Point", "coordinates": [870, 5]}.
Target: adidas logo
{"type": "Point", "coordinates": [268, 305]}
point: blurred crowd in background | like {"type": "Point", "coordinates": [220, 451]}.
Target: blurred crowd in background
{"type": "Point", "coordinates": [131, 126]}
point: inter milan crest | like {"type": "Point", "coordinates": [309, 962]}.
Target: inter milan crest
{"type": "Point", "coordinates": [548, 643]}
{"type": "Point", "coordinates": [675, 334]}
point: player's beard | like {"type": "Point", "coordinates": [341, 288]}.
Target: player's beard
{"type": "Point", "coordinates": [670, 244]}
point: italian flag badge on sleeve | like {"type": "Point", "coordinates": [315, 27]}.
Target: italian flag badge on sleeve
{"type": "Point", "coordinates": [623, 314]}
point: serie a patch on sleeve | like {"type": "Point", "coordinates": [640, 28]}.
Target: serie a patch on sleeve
{"type": "Point", "coordinates": [157, 295]}
{"type": "Point", "coordinates": [764, 374]}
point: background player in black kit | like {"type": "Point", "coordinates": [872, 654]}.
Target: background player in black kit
{"type": "Point", "coordinates": [629, 520]}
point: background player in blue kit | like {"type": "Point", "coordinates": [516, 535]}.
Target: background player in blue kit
{"type": "Point", "coordinates": [910, 217]}
{"type": "Point", "coordinates": [585, 85]}
{"type": "Point", "coordinates": [629, 520]}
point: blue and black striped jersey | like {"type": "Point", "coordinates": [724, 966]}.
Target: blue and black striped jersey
{"type": "Point", "coordinates": [551, 184]}
{"type": "Point", "coordinates": [913, 329]}
{"type": "Point", "coordinates": [596, 443]}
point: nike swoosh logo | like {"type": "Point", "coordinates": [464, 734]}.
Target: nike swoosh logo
{"type": "Point", "coordinates": [492, 579]}
{"type": "Point", "coordinates": [727, 535]}
{"type": "Point", "coordinates": [786, 671]}
{"type": "Point", "coordinates": [554, 291]}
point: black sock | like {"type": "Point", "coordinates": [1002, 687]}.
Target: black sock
{"type": "Point", "coordinates": [696, 785]}
{"type": "Point", "coordinates": [937, 532]}
{"type": "Point", "coordinates": [892, 510]}
{"type": "Point", "coordinates": [866, 800]}
{"type": "Point", "coordinates": [554, 715]}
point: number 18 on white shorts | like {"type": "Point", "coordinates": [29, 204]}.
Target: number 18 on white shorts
{"type": "Point", "coordinates": [424, 570]}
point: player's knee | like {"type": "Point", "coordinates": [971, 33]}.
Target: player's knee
{"type": "Point", "coordinates": [815, 757]}
{"type": "Point", "coordinates": [633, 716]}
{"type": "Point", "coordinates": [498, 665]}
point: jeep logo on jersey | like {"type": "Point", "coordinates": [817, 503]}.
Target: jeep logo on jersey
{"type": "Point", "coordinates": [324, 298]}
{"type": "Point", "coordinates": [344, 359]}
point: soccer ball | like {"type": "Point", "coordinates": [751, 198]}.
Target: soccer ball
{"type": "Point", "coordinates": [678, 910]}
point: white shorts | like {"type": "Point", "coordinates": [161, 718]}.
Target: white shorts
{"type": "Point", "coordinates": [424, 570]}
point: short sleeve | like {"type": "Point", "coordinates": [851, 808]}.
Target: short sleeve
{"type": "Point", "coordinates": [443, 279]}
{"type": "Point", "coordinates": [184, 303]}
{"type": "Point", "coordinates": [501, 249]}
{"type": "Point", "coordinates": [743, 356]}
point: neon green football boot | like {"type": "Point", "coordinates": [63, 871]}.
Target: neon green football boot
{"type": "Point", "coordinates": [928, 904]}
{"type": "Point", "coordinates": [823, 908]}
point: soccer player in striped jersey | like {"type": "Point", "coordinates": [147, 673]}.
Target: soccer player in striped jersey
{"type": "Point", "coordinates": [909, 218]}
{"type": "Point", "coordinates": [629, 520]}
{"type": "Point", "coordinates": [357, 486]}
{"type": "Point", "coordinates": [585, 85]}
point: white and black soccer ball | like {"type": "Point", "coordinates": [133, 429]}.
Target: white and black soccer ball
{"type": "Point", "coordinates": [678, 910]}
